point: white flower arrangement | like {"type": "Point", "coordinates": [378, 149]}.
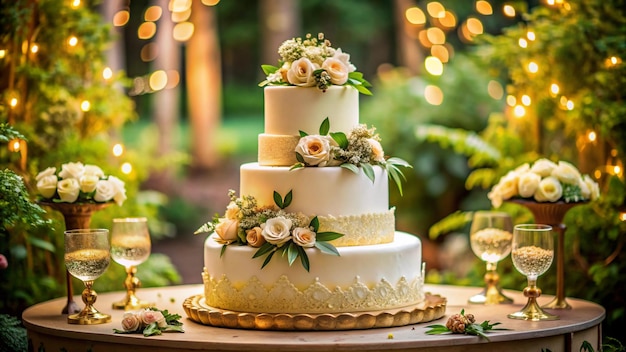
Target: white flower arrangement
{"type": "Point", "coordinates": [545, 181]}
{"type": "Point", "coordinates": [313, 62]}
{"type": "Point", "coordinates": [359, 150]}
{"type": "Point", "coordinates": [271, 229]}
{"type": "Point", "coordinates": [78, 183]}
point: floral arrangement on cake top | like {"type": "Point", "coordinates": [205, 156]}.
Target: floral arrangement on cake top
{"type": "Point", "coordinates": [359, 150]}
{"type": "Point", "coordinates": [78, 183]}
{"type": "Point", "coordinates": [271, 229]}
{"type": "Point", "coordinates": [545, 181]}
{"type": "Point", "coordinates": [313, 62]}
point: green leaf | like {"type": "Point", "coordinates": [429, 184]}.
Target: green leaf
{"type": "Point", "coordinates": [396, 176]}
{"type": "Point", "coordinates": [303, 134]}
{"type": "Point", "coordinates": [398, 162]}
{"type": "Point", "coordinates": [326, 248]}
{"type": "Point", "coordinates": [299, 165]}
{"type": "Point", "coordinates": [304, 258]}
{"type": "Point", "coordinates": [292, 252]}
{"type": "Point", "coordinates": [265, 248]}
{"type": "Point", "coordinates": [152, 329]}
{"type": "Point", "coordinates": [327, 236]}
{"type": "Point", "coordinates": [288, 199]}
{"type": "Point", "coordinates": [325, 127]}
{"type": "Point", "coordinates": [37, 242]}
{"type": "Point", "coordinates": [300, 158]}
{"type": "Point", "coordinates": [267, 259]}
{"type": "Point", "coordinates": [223, 250]}
{"type": "Point", "coordinates": [340, 138]}
{"type": "Point", "coordinates": [269, 69]}
{"type": "Point", "coordinates": [369, 171]}
{"type": "Point", "coordinates": [315, 224]}
{"type": "Point", "coordinates": [437, 329]}
{"type": "Point", "coordinates": [278, 200]}
{"type": "Point", "coordinates": [350, 167]}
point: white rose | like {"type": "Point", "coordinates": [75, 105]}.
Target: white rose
{"type": "Point", "coordinates": [93, 170]}
{"type": "Point", "coordinates": [377, 150]}
{"type": "Point", "coordinates": [68, 190]}
{"type": "Point", "coordinates": [527, 184]}
{"type": "Point", "coordinates": [72, 170]}
{"type": "Point", "coordinates": [594, 189]}
{"type": "Point", "coordinates": [508, 185]}
{"type": "Point", "coordinates": [549, 190]}
{"type": "Point", "coordinates": [566, 173]}
{"type": "Point", "coordinates": [88, 183]}
{"type": "Point", "coordinates": [585, 192]}
{"type": "Point", "coordinates": [337, 70]}
{"type": "Point", "coordinates": [303, 237]}
{"type": "Point", "coordinates": [522, 169]}
{"type": "Point", "coordinates": [227, 229]}
{"type": "Point", "coordinates": [277, 230]}
{"type": "Point", "coordinates": [47, 185]}
{"type": "Point", "coordinates": [314, 149]}
{"type": "Point", "coordinates": [232, 211]}
{"type": "Point", "coordinates": [120, 190]}
{"type": "Point", "coordinates": [131, 321]}
{"type": "Point", "coordinates": [543, 167]}
{"type": "Point", "coordinates": [345, 58]}
{"type": "Point", "coordinates": [105, 190]}
{"type": "Point", "coordinates": [45, 173]}
{"type": "Point", "coordinates": [495, 197]}
{"type": "Point", "coordinates": [301, 73]}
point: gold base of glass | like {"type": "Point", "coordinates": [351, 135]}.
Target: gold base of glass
{"type": "Point", "coordinates": [89, 315]}
{"type": "Point", "coordinates": [533, 312]}
{"type": "Point", "coordinates": [490, 295]}
{"type": "Point", "coordinates": [131, 302]}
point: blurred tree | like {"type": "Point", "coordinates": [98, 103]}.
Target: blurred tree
{"type": "Point", "coordinates": [279, 21]}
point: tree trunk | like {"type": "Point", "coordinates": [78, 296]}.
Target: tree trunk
{"type": "Point", "coordinates": [204, 85]}
{"type": "Point", "coordinates": [409, 53]}
{"type": "Point", "coordinates": [280, 20]}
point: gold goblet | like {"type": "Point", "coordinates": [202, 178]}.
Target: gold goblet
{"type": "Point", "coordinates": [86, 258]}
{"type": "Point", "coordinates": [130, 246]}
{"type": "Point", "coordinates": [490, 239]}
{"type": "Point", "coordinates": [533, 252]}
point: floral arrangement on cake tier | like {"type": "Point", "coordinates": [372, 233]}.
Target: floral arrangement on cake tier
{"type": "Point", "coordinates": [359, 150]}
{"type": "Point", "coordinates": [271, 229]}
{"type": "Point", "coordinates": [545, 181]}
{"type": "Point", "coordinates": [313, 62]}
{"type": "Point", "coordinates": [78, 183]}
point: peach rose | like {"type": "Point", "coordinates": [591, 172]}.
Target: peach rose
{"type": "Point", "coordinates": [227, 229]}
{"type": "Point", "coordinates": [131, 321]}
{"type": "Point", "coordinates": [314, 149]}
{"type": "Point", "coordinates": [337, 70]}
{"type": "Point", "coordinates": [303, 237]}
{"type": "Point", "coordinates": [377, 150]}
{"type": "Point", "coordinates": [232, 211]}
{"type": "Point", "coordinates": [254, 237]}
{"type": "Point", "coordinates": [301, 73]}
{"type": "Point", "coordinates": [68, 190]}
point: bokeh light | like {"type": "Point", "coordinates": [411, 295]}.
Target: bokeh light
{"type": "Point", "coordinates": [153, 13]}
{"type": "Point", "coordinates": [533, 67]}
{"type": "Point", "coordinates": [107, 73]}
{"type": "Point", "coordinates": [146, 30]}
{"type": "Point", "coordinates": [183, 31]}
{"type": "Point", "coordinates": [525, 100]}
{"type": "Point", "coordinates": [415, 16]}
{"type": "Point", "coordinates": [118, 150]}
{"type": "Point", "coordinates": [519, 111]}
{"type": "Point", "coordinates": [495, 90]}
{"type": "Point", "coordinates": [127, 168]}
{"type": "Point", "coordinates": [484, 7]}
{"type": "Point", "coordinates": [440, 52]}
{"type": "Point", "coordinates": [474, 26]}
{"type": "Point", "coordinates": [85, 105]}
{"type": "Point", "coordinates": [158, 80]}
{"type": "Point", "coordinates": [433, 95]}
{"type": "Point", "coordinates": [433, 65]}
{"type": "Point", "coordinates": [435, 9]}
{"type": "Point", "coordinates": [436, 35]}
{"type": "Point", "coordinates": [121, 18]}
{"type": "Point", "coordinates": [508, 11]}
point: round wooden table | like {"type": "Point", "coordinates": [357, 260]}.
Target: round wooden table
{"type": "Point", "coordinates": [48, 329]}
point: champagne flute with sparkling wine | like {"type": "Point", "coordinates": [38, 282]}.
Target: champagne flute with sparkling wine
{"type": "Point", "coordinates": [533, 252]}
{"type": "Point", "coordinates": [86, 258]}
{"type": "Point", "coordinates": [490, 239]}
{"type": "Point", "coordinates": [130, 246]}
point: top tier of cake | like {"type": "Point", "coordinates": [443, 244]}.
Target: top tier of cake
{"type": "Point", "coordinates": [289, 110]}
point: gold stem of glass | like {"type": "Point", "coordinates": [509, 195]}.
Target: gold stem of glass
{"type": "Point", "coordinates": [531, 310]}
{"type": "Point", "coordinates": [89, 315]}
{"type": "Point", "coordinates": [131, 301]}
{"type": "Point", "coordinates": [492, 294]}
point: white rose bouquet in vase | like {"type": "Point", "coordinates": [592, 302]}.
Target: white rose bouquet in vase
{"type": "Point", "coordinates": [549, 190]}
{"type": "Point", "coordinates": [77, 191]}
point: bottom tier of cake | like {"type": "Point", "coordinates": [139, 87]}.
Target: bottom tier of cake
{"type": "Point", "coordinates": [362, 278]}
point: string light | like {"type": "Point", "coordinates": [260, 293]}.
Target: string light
{"type": "Point", "coordinates": [107, 73]}
{"type": "Point", "coordinates": [434, 66]}
{"type": "Point", "coordinates": [15, 145]}
{"type": "Point", "coordinates": [519, 111]}
{"type": "Point", "coordinates": [591, 136]}
{"type": "Point", "coordinates": [554, 89]}
{"type": "Point", "coordinates": [415, 16]}
{"type": "Point", "coordinates": [127, 168]}
{"type": "Point", "coordinates": [436, 9]}
{"type": "Point", "coordinates": [484, 7]}
{"type": "Point", "coordinates": [118, 150]}
{"type": "Point", "coordinates": [433, 95]}
{"type": "Point", "coordinates": [530, 35]}
{"type": "Point", "coordinates": [475, 26]}
{"type": "Point", "coordinates": [525, 100]}
{"type": "Point", "coordinates": [523, 43]}
{"type": "Point", "coordinates": [511, 100]}
{"type": "Point", "coordinates": [508, 11]}
{"type": "Point", "coordinates": [436, 35]}
{"type": "Point", "coordinates": [3, 53]}
{"type": "Point", "coordinates": [73, 41]}
{"type": "Point", "coordinates": [533, 67]}
{"type": "Point", "coordinates": [121, 18]}
{"type": "Point", "coordinates": [75, 3]}
{"type": "Point", "coordinates": [34, 49]}
{"type": "Point", "coordinates": [569, 105]}
{"type": "Point", "coordinates": [13, 102]}
{"type": "Point", "coordinates": [85, 105]}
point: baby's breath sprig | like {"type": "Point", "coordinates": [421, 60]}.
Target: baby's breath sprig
{"type": "Point", "coordinates": [463, 324]}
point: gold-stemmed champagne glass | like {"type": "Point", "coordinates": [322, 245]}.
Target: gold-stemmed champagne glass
{"type": "Point", "coordinates": [532, 254]}
{"type": "Point", "coordinates": [490, 239]}
{"type": "Point", "coordinates": [130, 246]}
{"type": "Point", "coordinates": [86, 258]}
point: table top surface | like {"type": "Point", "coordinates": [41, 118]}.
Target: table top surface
{"type": "Point", "coordinates": [46, 318]}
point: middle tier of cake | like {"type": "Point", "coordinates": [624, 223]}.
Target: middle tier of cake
{"type": "Point", "coordinates": [344, 202]}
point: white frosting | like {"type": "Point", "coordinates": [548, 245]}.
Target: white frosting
{"type": "Point", "coordinates": [375, 277]}
{"type": "Point", "coordinates": [322, 191]}
{"type": "Point", "coordinates": [289, 110]}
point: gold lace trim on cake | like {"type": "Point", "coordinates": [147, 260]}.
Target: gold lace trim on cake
{"type": "Point", "coordinates": [284, 297]}
{"type": "Point", "coordinates": [360, 230]}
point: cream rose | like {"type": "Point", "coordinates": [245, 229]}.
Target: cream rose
{"type": "Point", "coordinates": [314, 149]}
{"type": "Point", "coordinates": [120, 190]}
{"type": "Point", "coordinates": [377, 150]}
{"type": "Point", "coordinates": [254, 237]}
{"type": "Point", "coordinates": [527, 184]}
{"type": "Point", "coordinates": [566, 173]}
{"type": "Point", "coordinates": [301, 73]}
{"type": "Point", "coordinates": [105, 190]}
{"type": "Point", "coordinates": [508, 185]}
{"type": "Point", "coordinates": [232, 211]}
{"type": "Point", "coordinates": [93, 170]}
{"type": "Point", "coordinates": [153, 316]}
{"type": "Point", "coordinates": [68, 190]}
{"type": "Point", "coordinates": [277, 230]}
{"type": "Point", "coordinates": [336, 69]}
{"type": "Point", "coordinates": [131, 321]}
{"type": "Point", "coordinates": [594, 189]}
{"type": "Point", "coordinates": [345, 58]}
{"type": "Point", "coordinates": [227, 229]}
{"type": "Point", "coordinates": [88, 183]}
{"type": "Point", "coordinates": [543, 167]}
{"type": "Point", "coordinates": [51, 171]}
{"type": "Point", "coordinates": [47, 185]}
{"type": "Point", "coordinates": [549, 190]}
{"type": "Point", "coordinates": [72, 170]}
{"type": "Point", "coordinates": [303, 237]}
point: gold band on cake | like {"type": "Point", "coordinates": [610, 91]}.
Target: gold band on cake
{"type": "Point", "coordinates": [277, 150]}
{"type": "Point", "coordinates": [360, 230]}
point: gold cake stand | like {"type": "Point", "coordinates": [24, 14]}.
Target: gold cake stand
{"type": "Point", "coordinates": [433, 307]}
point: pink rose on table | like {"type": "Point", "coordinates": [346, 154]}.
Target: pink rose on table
{"type": "Point", "coordinates": [254, 237]}
{"type": "Point", "coordinates": [227, 229]}
{"type": "Point", "coordinates": [68, 190]}
{"type": "Point", "coordinates": [337, 70]}
{"type": "Point", "coordinates": [301, 73]}
{"type": "Point", "coordinates": [131, 321]}
{"type": "Point", "coordinates": [314, 150]}
{"type": "Point", "coordinates": [153, 316]}
{"type": "Point", "coordinates": [303, 237]}
{"type": "Point", "coordinates": [277, 230]}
